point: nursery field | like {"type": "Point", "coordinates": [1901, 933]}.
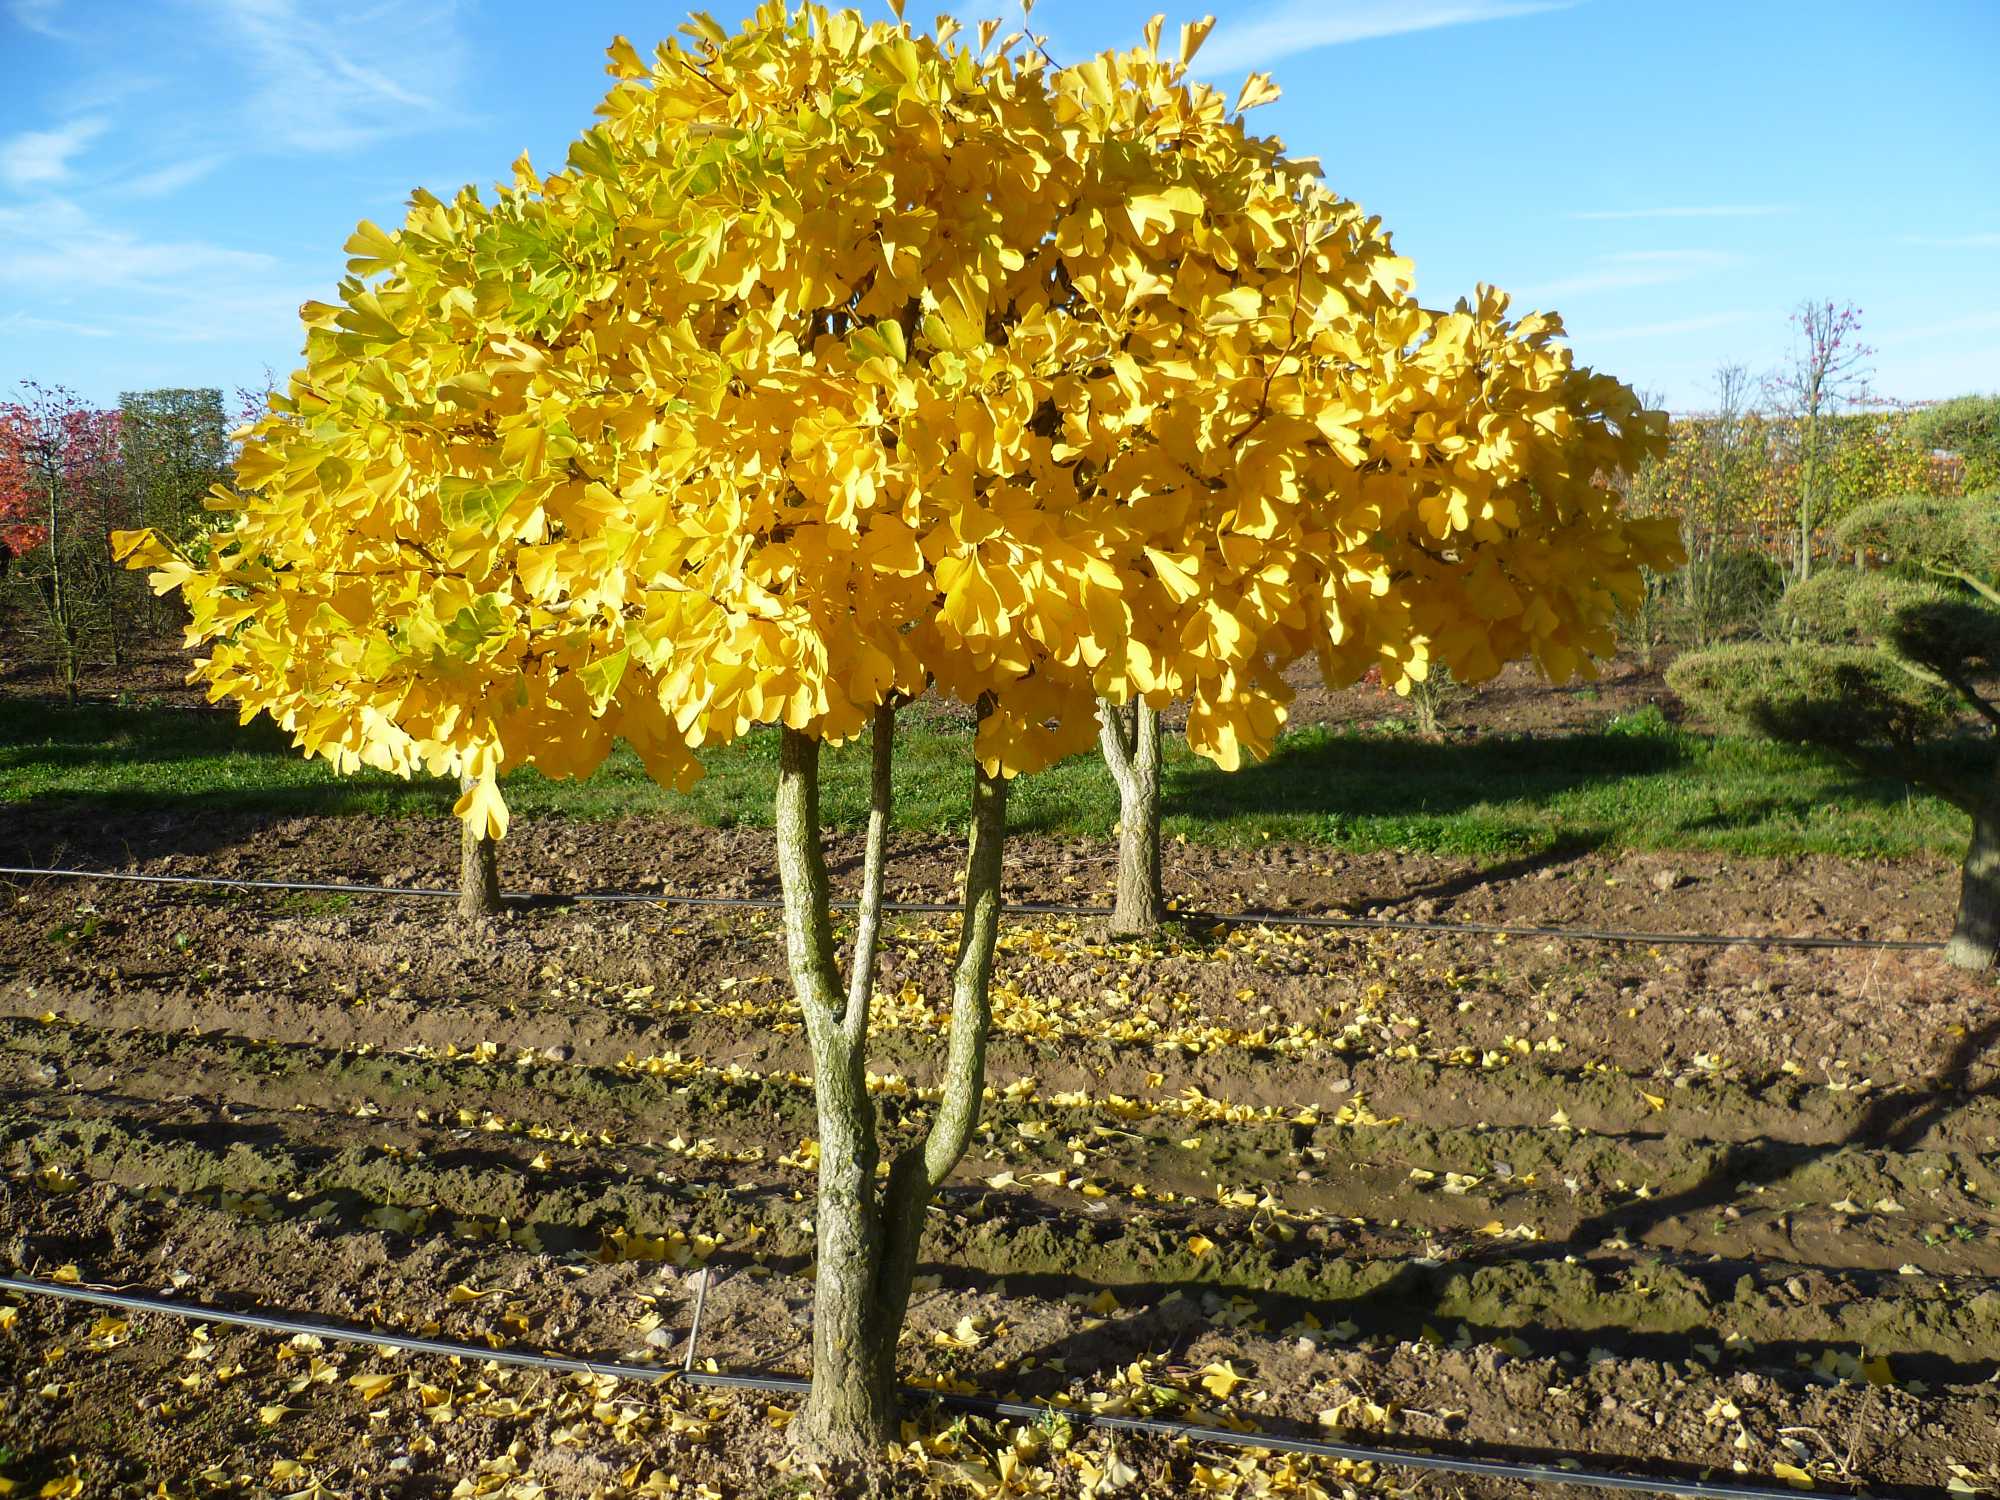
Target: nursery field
{"type": "Point", "coordinates": [1724, 1211]}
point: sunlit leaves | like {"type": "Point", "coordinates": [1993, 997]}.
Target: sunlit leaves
{"type": "Point", "coordinates": [843, 361]}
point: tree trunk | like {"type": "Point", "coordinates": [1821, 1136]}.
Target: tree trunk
{"type": "Point", "coordinates": [1809, 472]}
{"type": "Point", "coordinates": [868, 1245]}
{"type": "Point", "coordinates": [1975, 940]}
{"type": "Point", "coordinates": [1131, 738]}
{"type": "Point", "coordinates": [478, 870]}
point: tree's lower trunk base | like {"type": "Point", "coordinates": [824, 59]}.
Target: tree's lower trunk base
{"type": "Point", "coordinates": [1975, 940]}
{"type": "Point", "coordinates": [1969, 951]}
{"type": "Point", "coordinates": [478, 876]}
{"type": "Point", "coordinates": [841, 1435]}
{"type": "Point", "coordinates": [1136, 918]}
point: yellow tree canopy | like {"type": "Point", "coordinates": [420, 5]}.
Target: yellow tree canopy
{"type": "Point", "coordinates": [843, 361]}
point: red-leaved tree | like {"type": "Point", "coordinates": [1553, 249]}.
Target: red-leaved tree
{"type": "Point", "coordinates": [60, 497]}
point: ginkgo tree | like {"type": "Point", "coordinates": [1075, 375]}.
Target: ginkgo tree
{"type": "Point", "coordinates": [845, 363]}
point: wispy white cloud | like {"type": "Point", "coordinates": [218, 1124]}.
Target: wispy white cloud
{"type": "Point", "coordinates": [1294, 26]}
{"type": "Point", "coordinates": [1713, 211]}
{"type": "Point", "coordinates": [1944, 331]}
{"type": "Point", "coordinates": [218, 316]}
{"type": "Point", "coordinates": [41, 158]}
{"type": "Point", "coordinates": [65, 273]}
{"type": "Point", "coordinates": [1987, 241]}
{"type": "Point", "coordinates": [1669, 328]}
{"type": "Point", "coordinates": [1635, 268]}
{"type": "Point", "coordinates": [25, 321]}
{"type": "Point", "coordinates": [38, 16]}
{"type": "Point", "coordinates": [55, 244]}
{"type": "Point", "coordinates": [337, 80]}
{"type": "Point", "coordinates": [164, 182]}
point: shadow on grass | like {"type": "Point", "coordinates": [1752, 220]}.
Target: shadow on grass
{"type": "Point", "coordinates": [169, 780]}
{"type": "Point", "coordinates": [1509, 796]}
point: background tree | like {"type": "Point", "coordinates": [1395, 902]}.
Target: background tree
{"type": "Point", "coordinates": [1726, 454]}
{"type": "Point", "coordinates": [1826, 370]}
{"type": "Point", "coordinates": [1134, 751]}
{"type": "Point", "coordinates": [1968, 426]}
{"type": "Point", "coordinates": [175, 448]}
{"type": "Point", "coordinates": [60, 458]}
{"type": "Point", "coordinates": [18, 532]}
{"type": "Point", "coordinates": [1888, 667]}
{"type": "Point", "coordinates": [1032, 387]}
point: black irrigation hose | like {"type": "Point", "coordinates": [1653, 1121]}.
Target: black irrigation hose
{"type": "Point", "coordinates": [1478, 1468]}
{"type": "Point", "coordinates": [1223, 919]}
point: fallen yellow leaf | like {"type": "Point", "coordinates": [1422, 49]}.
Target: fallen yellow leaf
{"type": "Point", "coordinates": [1220, 1379]}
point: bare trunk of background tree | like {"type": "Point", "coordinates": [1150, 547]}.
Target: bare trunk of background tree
{"type": "Point", "coordinates": [1809, 472]}
{"type": "Point", "coordinates": [1131, 738]}
{"type": "Point", "coordinates": [868, 1244]}
{"type": "Point", "coordinates": [1975, 941]}
{"type": "Point", "coordinates": [478, 869]}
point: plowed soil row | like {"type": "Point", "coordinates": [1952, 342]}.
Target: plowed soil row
{"type": "Point", "coordinates": [1730, 1211]}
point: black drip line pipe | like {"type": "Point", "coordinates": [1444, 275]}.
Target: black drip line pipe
{"type": "Point", "coordinates": [988, 1406]}
{"type": "Point", "coordinates": [1216, 919]}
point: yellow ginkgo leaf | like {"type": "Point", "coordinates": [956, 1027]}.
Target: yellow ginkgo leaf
{"type": "Point", "coordinates": [1220, 1379]}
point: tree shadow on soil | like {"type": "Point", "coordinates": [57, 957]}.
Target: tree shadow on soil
{"type": "Point", "coordinates": [1403, 1307]}
{"type": "Point", "coordinates": [1563, 851]}
{"type": "Point", "coordinates": [1892, 1121]}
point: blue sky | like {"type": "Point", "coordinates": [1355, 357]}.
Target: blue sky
{"type": "Point", "coordinates": [176, 176]}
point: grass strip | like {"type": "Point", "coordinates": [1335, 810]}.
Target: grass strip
{"type": "Point", "coordinates": [1639, 783]}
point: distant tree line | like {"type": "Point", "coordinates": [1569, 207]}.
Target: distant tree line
{"type": "Point", "coordinates": [70, 475]}
{"type": "Point", "coordinates": [1763, 482]}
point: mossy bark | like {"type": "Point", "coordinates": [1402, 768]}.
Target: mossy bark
{"type": "Point", "coordinates": [1131, 740]}
{"type": "Point", "coordinates": [867, 1239]}
{"type": "Point", "coordinates": [478, 870]}
{"type": "Point", "coordinates": [1975, 940]}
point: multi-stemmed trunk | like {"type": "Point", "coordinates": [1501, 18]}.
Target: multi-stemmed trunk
{"type": "Point", "coordinates": [868, 1238]}
{"type": "Point", "coordinates": [1975, 940]}
{"type": "Point", "coordinates": [1131, 738]}
{"type": "Point", "coordinates": [478, 869]}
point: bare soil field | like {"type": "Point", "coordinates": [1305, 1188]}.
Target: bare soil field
{"type": "Point", "coordinates": [1730, 1211]}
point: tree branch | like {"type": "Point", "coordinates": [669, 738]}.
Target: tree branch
{"type": "Point", "coordinates": [920, 1169]}
{"type": "Point", "coordinates": [1972, 581]}
{"type": "Point", "coordinates": [1118, 741]}
{"type": "Point", "coordinates": [868, 927]}
{"type": "Point", "coordinates": [802, 875]}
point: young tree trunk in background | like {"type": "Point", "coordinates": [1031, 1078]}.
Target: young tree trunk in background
{"type": "Point", "coordinates": [478, 870]}
{"type": "Point", "coordinates": [1131, 739]}
{"type": "Point", "coordinates": [868, 1244]}
{"type": "Point", "coordinates": [1975, 941]}
{"type": "Point", "coordinates": [1809, 472]}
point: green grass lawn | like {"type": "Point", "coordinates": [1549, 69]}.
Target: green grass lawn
{"type": "Point", "coordinates": [1640, 783]}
